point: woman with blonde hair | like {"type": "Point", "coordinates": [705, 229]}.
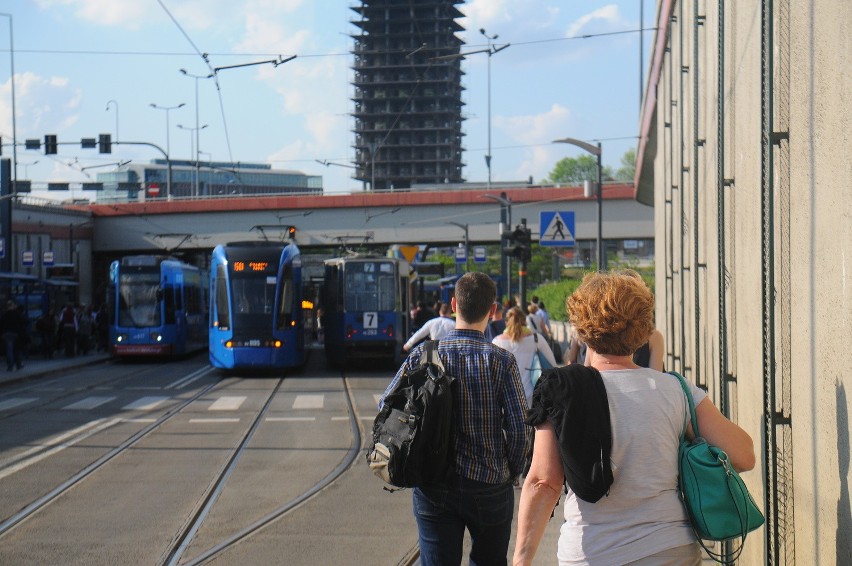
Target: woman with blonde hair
{"type": "Point", "coordinates": [635, 516]}
{"type": "Point", "coordinates": [523, 343]}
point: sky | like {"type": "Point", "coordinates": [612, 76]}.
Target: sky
{"type": "Point", "coordinates": [87, 67]}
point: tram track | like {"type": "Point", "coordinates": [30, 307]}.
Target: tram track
{"type": "Point", "coordinates": [39, 504]}
{"type": "Point", "coordinates": [173, 558]}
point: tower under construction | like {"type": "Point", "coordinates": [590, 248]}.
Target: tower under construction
{"type": "Point", "coordinates": [408, 104]}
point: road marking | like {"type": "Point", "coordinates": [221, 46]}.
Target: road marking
{"type": "Point", "coordinates": [88, 403]}
{"type": "Point", "coordinates": [222, 420]}
{"type": "Point", "coordinates": [99, 426]}
{"type": "Point", "coordinates": [184, 381]}
{"type": "Point", "coordinates": [227, 403]}
{"type": "Point", "coordinates": [52, 442]}
{"type": "Point", "coordinates": [145, 404]}
{"type": "Point", "coordinates": [289, 419]}
{"type": "Point", "coordinates": [15, 402]}
{"type": "Point", "coordinates": [309, 402]}
{"type": "Point", "coordinates": [142, 421]}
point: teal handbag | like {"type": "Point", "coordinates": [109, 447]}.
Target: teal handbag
{"type": "Point", "coordinates": [717, 502]}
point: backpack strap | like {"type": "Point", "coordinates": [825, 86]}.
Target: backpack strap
{"type": "Point", "coordinates": [430, 354]}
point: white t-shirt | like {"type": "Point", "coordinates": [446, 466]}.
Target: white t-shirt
{"type": "Point", "coordinates": [523, 351]}
{"type": "Point", "coordinates": [642, 514]}
{"type": "Point", "coordinates": [434, 328]}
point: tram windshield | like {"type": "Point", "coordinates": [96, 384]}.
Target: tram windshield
{"type": "Point", "coordinates": [253, 295]}
{"type": "Point", "coordinates": [138, 303]}
{"type": "Point", "coordinates": [370, 286]}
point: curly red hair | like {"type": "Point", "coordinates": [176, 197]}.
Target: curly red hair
{"type": "Point", "coordinates": [612, 312]}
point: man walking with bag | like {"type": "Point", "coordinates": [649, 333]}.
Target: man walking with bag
{"type": "Point", "coordinates": [490, 440]}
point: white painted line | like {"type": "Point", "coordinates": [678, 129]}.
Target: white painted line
{"type": "Point", "coordinates": [52, 442]}
{"type": "Point", "coordinates": [289, 419]}
{"type": "Point", "coordinates": [340, 418]}
{"type": "Point", "coordinates": [371, 419]}
{"type": "Point", "coordinates": [223, 420]}
{"type": "Point", "coordinates": [184, 381]}
{"type": "Point", "coordinates": [38, 458]}
{"type": "Point", "coordinates": [145, 404]}
{"type": "Point", "coordinates": [141, 421]}
{"type": "Point", "coordinates": [309, 402]}
{"type": "Point", "coordinates": [227, 403]}
{"type": "Point", "coordinates": [88, 403]}
{"type": "Point", "coordinates": [15, 402]}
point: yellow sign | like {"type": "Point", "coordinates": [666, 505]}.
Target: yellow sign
{"type": "Point", "coordinates": [409, 252]}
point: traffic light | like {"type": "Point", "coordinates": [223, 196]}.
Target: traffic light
{"type": "Point", "coordinates": [520, 243]}
{"type": "Point", "coordinates": [50, 144]}
{"type": "Point", "coordinates": [104, 143]}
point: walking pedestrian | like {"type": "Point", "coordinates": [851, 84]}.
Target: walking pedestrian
{"type": "Point", "coordinates": [68, 326]}
{"type": "Point", "coordinates": [14, 328]}
{"type": "Point", "coordinates": [490, 438]}
{"type": "Point", "coordinates": [639, 518]}
{"type": "Point", "coordinates": [435, 328]}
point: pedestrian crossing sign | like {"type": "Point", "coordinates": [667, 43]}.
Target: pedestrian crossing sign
{"type": "Point", "coordinates": [557, 228]}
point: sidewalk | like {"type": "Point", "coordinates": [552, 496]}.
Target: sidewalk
{"type": "Point", "coordinates": [38, 366]}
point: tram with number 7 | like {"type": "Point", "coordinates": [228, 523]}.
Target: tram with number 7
{"type": "Point", "coordinates": [364, 304]}
{"type": "Point", "coordinates": [256, 318]}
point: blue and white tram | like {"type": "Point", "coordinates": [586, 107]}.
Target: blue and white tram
{"type": "Point", "coordinates": [365, 307]}
{"type": "Point", "coordinates": [256, 306]}
{"type": "Point", "coordinates": [158, 307]}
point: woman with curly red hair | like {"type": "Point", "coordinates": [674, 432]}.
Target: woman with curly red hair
{"type": "Point", "coordinates": [636, 516]}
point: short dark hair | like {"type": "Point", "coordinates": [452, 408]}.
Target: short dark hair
{"type": "Point", "coordinates": [475, 294]}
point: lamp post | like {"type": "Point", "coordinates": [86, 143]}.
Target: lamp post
{"type": "Point", "coordinates": [491, 50]}
{"type": "Point", "coordinates": [14, 127]}
{"type": "Point", "coordinates": [505, 225]}
{"type": "Point", "coordinates": [26, 167]}
{"type": "Point", "coordinates": [197, 127]}
{"type": "Point", "coordinates": [596, 151]}
{"type": "Point", "coordinates": [466, 243]}
{"type": "Point", "coordinates": [193, 149]}
{"type": "Point", "coordinates": [168, 145]}
{"type": "Point", "coordinates": [116, 116]}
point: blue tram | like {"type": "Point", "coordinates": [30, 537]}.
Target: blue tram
{"type": "Point", "coordinates": [365, 302]}
{"type": "Point", "coordinates": [157, 307]}
{"type": "Point", "coordinates": [256, 306]}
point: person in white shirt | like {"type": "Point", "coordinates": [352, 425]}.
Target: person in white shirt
{"type": "Point", "coordinates": [535, 321]}
{"type": "Point", "coordinates": [521, 341]}
{"type": "Point", "coordinates": [435, 328]}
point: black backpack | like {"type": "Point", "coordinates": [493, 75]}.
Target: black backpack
{"type": "Point", "coordinates": [412, 434]}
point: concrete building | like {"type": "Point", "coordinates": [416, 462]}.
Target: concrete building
{"type": "Point", "coordinates": [407, 104]}
{"type": "Point", "coordinates": [744, 154]}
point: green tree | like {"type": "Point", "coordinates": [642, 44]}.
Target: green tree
{"type": "Point", "coordinates": [575, 170]}
{"type": "Point", "coordinates": [626, 173]}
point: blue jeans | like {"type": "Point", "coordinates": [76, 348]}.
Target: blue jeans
{"type": "Point", "coordinates": [13, 350]}
{"type": "Point", "coordinates": [443, 512]}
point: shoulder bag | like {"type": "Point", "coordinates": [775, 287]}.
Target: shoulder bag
{"type": "Point", "coordinates": [717, 502]}
{"type": "Point", "coordinates": [537, 363]}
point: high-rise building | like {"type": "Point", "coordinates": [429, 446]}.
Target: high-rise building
{"type": "Point", "coordinates": [408, 104]}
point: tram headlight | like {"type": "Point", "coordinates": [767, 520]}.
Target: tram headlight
{"type": "Point", "coordinates": [156, 337]}
{"type": "Point", "coordinates": [229, 344]}
{"type": "Point", "coordinates": [120, 338]}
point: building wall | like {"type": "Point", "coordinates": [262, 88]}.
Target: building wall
{"type": "Point", "coordinates": [750, 183]}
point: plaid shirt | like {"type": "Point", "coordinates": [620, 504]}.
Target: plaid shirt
{"type": "Point", "coordinates": [489, 407]}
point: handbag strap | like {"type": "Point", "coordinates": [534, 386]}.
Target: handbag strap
{"type": "Point", "coordinates": [688, 394]}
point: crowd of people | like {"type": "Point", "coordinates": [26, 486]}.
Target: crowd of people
{"type": "Point", "coordinates": [74, 330]}
{"type": "Point", "coordinates": [506, 429]}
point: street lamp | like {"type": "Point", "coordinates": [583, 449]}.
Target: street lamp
{"type": "Point", "coordinates": [596, 151]}
{"type": "Point", "coordinates": [168, 145]}
{"type": "Point", "coordinates": [192, 142]}
{"type": "Point", "coordinates": [197, 127]}
{"type": "Point", "coordinates": [116, 116]}
{"type": "Point", "coordinates": [466, 243]}
{"type": "Point", "coordinates": [505, 224]}
{"type": "Point", "coordinates": [491, 50]}
{"type": "Point", "coordinates": [25, 166]}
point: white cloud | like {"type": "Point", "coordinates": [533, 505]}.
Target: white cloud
{"type": "Point", "coordinates": [105, 12]}
{"type": "Point", "coordinates": [41, 105]}
{"type": "Point", "coordinates": [608, 14]}
{"type": "Point", "coordinates": [532, 131]}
